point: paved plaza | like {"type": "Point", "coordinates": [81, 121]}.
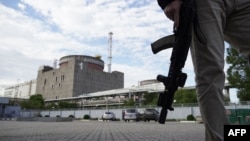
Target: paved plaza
{"type": "Point", "coordinates": [100, 131]}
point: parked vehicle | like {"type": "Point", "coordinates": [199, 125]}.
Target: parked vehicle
{"type": "Point", "coordinates": [141, 115]}
{"type": "Point", "coordinates": [150, 114]}
{"type": "Point", "coordinates": [108, 116]}
{"type": "Point", "coordinates": [131, 114]}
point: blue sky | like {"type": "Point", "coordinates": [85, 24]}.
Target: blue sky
{"type": "Point", "coordinates": [36, 32]}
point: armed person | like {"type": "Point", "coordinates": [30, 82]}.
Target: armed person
{"type": "Point", "coordinates": [219, 21]}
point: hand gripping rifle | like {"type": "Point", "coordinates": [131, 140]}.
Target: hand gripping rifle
{"type": "Point", "coordinates": [180, 42]}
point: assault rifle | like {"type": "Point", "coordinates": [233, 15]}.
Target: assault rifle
{"type": "Point", "coordinates": [180, 41]}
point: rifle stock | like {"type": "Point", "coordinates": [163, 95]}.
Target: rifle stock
{"type": "Point", "coordinates": [180, 42]}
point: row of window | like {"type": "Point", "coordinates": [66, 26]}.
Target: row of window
{"type": "Point", "coordinates": [62, 78]}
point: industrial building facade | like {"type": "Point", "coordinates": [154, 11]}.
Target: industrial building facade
{"type": "Point", "coordinates": [76, 75]}
{"type": "Point", "coordinates": [21, 90]}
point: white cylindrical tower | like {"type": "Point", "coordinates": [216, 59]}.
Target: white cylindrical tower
{"type": "Point", "coordinates": [110, 52]}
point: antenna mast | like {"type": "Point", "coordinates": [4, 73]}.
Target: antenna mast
{"type": "Point", "coordinates": [110, 51]}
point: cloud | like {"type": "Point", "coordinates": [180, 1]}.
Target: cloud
{"type": "Point", "coordinates": [37, 32]}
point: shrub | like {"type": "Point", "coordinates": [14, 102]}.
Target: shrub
{"type": "Point", "coordinates": [58, 116]}
{"type": "Point", "coordinates": [190, 117]}
{"type": "Point", "coordinates": [46, 116]}
{"type": "Point", "coordinates": [71, 116]}
{"type": "Point", "coordinates": [86, 117]}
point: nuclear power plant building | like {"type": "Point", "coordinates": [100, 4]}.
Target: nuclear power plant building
{"type": "Point", "coordinates": [76, 75]}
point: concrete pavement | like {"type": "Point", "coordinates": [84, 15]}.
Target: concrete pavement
{"type": "Point", "coordinates": [100, 131]}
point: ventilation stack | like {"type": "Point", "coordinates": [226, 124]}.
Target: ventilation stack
{"type": "Point", "coordinates": [110, 52]}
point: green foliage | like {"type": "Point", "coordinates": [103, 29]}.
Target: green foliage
{"type": "Point", "coordinates": [37, 97]}
{"type": "Point", "coordinates": [150, 99]}
{"type": "Point", "coordinates": [35, 102]}
{"type": "Point", "coordinates": [13, 102]}
{"type": "Point", "coordinates": [71, 116]}
{"type": "Point", "coordinates": [190, 117]}
{"type": "Point", "coordinates": [181, 96]}
{"type": "Point", "coordinates": [51, 106]}
{"type": "Point", "coordinates": [63, 104]}
{"type": "Point", "coordinates": [25, 105]}
{"type": "Point", "coordinates": [238, 73]}
{"type": "Point", "coordinates": [130, 102]}
{"type": "Point", "coordinates": [86, 117]}
{"type": "Point", "coordinates": [185, 96]}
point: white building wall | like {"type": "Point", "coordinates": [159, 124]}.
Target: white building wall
{"type": "Point", "coordinates": [21, 90]}
{"type": "Point", "coordinates": [33, 88]}
{"type": "Point", "coordinates": [2, 87]}
{"type": "Point", "coordinates": [9, 92]}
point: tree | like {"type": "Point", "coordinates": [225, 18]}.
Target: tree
{"type": "Point", "coordinates": [35, 102]}
{"type": "Point", "coordinates": [51, 105]}
{"type": "Point", "coordinates": [130, 102]}
{"type": "Point", "coordinates": [238, 73]}
{"type": "Point", "coordinates": [150, 99]}
{"type": "Point", "coordinates": [185, 96]}
{"type": "Point", "coordinates": [181, 96]}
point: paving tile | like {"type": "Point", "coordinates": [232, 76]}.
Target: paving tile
{"type": "Point", "coordinates": [100, 131]}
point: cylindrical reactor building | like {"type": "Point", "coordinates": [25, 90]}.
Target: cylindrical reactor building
{"type": "Point", "coordinates": [77, 75]}
{"type": "Point", "coordinates": [88, 61]}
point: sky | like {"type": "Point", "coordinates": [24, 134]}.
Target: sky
{"type": "Point", "coordinates": [34, 33]}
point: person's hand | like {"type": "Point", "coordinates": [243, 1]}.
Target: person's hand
{"type": "Point", "coordinates": [172, 11]}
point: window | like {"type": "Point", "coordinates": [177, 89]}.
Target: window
{"type": "Point", "coordinates": [62, 77]}
{"type": "Point", "coordinates": [44, 83]}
